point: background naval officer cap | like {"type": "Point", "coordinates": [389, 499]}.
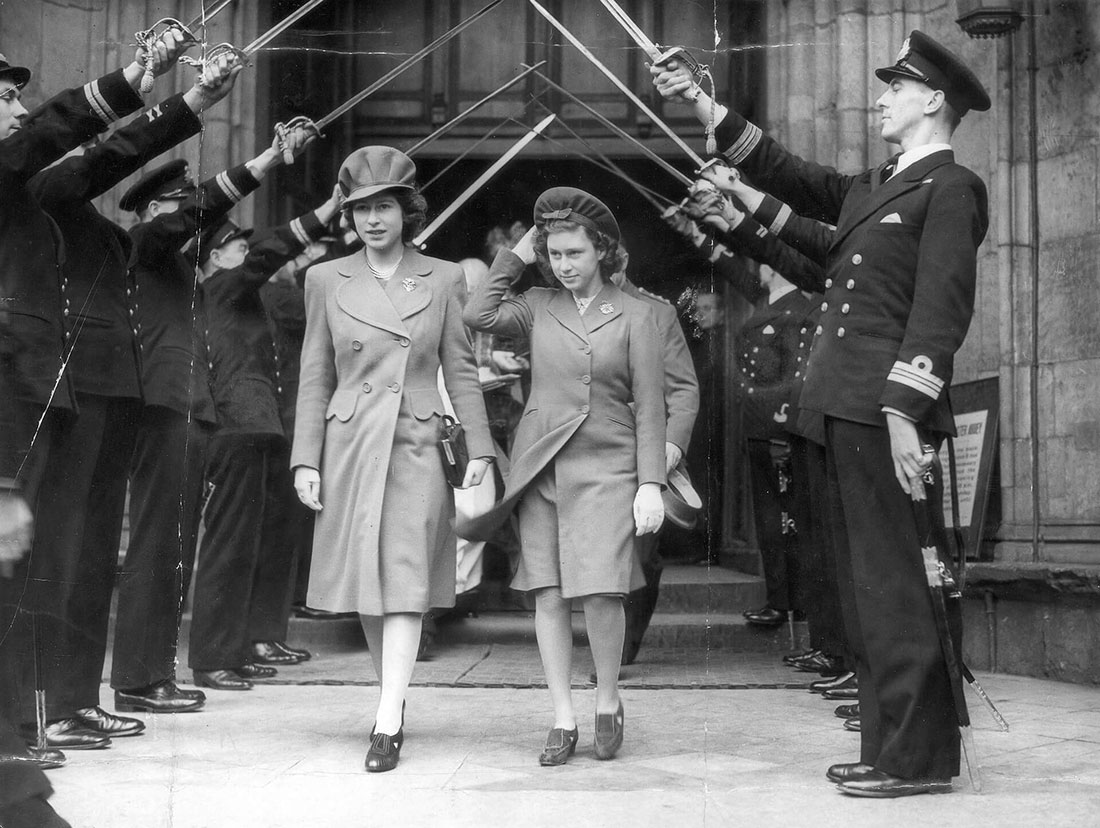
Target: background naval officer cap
{"type": "Point", "coordinates": [923, 59]}
{"type": "Point", "coordinates": [218, 235]}
{"type": "Point", "coordinates": [19, 75]}
{"type": "Point", "coordinates": [571, 204]}
{"type": "Point", "coordinates": [370, 170]}
{"type": "Point", "coordinates": [172, 180]}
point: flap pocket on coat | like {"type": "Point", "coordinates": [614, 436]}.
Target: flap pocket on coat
{"type": "Point", "coordinates": [341, 406]}
{"type": "Point", "coordinates": [424, 403]}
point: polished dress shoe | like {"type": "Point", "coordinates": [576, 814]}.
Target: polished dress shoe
{"type": "Point", "coordinates": [766, 617]}
{"type": "Point", "coordinates": [834, 683]}
{"type": "Point", "coordinates": [301, 655]}
{"type": "Point", "coordinates": [48, 759]}
{"type": "Point", "coordinates": [846, 711]}
{"type": "Point", "coordinates": [67, 734]}
{"type": "Point", "coordinates": [822, 663]}
{"type": "Point", "coordinates": [846, 771]}
{"type": "Point", "coordinates": [609, 733]}
{"type": "Point", "coordinates": [249, 670]}
{"type": "Point", "coordinates": [303, 611]}
{"type": "Point", "coordinates": [384, 751]}
{"type": "Point", "coordinates": [221, 680]}
{"type": "Point", "coordinates": [843, 694]}
{"type": "Point", "coordinates": [162, 697]}
{"type": "Point", "coordinates": [560, 745]}
{"type": "Point", "coordinates": [265, 652]}
{"type": "Point", "coordinates": [852, 725]}
{"type": "Point", "coordinates": [881, 785]}
{"type": "Point", "coordinates": [792, 658]}
{"type": "Point", "coordinates": [98, 720]}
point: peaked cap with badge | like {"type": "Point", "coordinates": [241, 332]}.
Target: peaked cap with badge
{"type": "Point", "coordinates": [923, 59]}
{"type": "Point", "coordinates": [171, 180]}
{"type": "Point", "coordinates": [19, 75]}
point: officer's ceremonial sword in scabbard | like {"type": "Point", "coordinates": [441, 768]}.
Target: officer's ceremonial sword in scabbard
{"type": "Point", "coordinates": [496, 167]}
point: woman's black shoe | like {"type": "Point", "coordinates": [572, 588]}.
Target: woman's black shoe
{"type": "Point", "coordinates": [609, 733]}
{"type": "Point", "coordinates": [560, 745]}
{"type": "Point", "coordinates": [384, 751]}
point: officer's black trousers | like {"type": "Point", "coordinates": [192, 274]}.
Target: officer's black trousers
{"type": "Point", "coordinates": [909, 725]}
{"type": "Point", "coordinates": [166, 487]}
{"type": "Point", "coordinates": [779, 550]}
{"type": "Point", "coordinates": [243, 585]}
{"type": "Point", "coordinates": [640, 603]}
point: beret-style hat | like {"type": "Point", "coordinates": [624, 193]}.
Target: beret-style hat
{"type": "Point", "coordinates": [571, 204]}
{"type": "Point", "coordinates": [370, 170]}
{"type": "Point", "coordinates": [923, 59]}
{"type": "Point", "coordinates": [171, 180]}
{"type": "Point", "coordinates": [19, 75]}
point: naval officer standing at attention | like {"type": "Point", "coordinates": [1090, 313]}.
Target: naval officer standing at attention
{"type": "Point", "coordinates": [899, 296]}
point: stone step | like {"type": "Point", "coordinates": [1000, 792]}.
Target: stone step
{"type": "Point", "coordinates": [696, 589]}
{"type": "Point", "coordinates": [726, 631]}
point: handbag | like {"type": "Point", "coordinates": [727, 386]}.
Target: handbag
{"type": "Point", "coordinates": [452, 450]}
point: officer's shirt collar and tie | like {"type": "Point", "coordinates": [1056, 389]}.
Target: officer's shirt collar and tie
{"type": "Point", "coordinates": [906, 159]}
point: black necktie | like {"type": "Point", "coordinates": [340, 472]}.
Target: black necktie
{"type": "Point", "coordinates": [887, 170]}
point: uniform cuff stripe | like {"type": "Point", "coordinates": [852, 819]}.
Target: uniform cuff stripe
{"type": "Point", "coordinates": [781, 219]}
{"type": "Point", "coordinates": [745, 144]}
{"type": "Point", "coordinates": [228, 187]}
{"type": "Point", "coordinates": [99, 103]}
{"type": "Point", "coordinates": [926, 383]}
{"type": "Point", "coordinates": [300, 231]}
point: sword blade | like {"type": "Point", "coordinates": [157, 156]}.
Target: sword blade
{"type": "Point", "coordinates": [622, 133]}
{"type": "Point", "coordinates": [354, 101]}
{"type": "Point", "coordinates": [281, 27]}
{"type": "Point", "coordinates": [632, 28]}
{"type": "Point", "coordinates": [497, 165]}
{"type": "Point", "coordinates": [1002, 723]}
{"type": "Point", "coordinates": [206, 15]}
{"type": "Point", "coordinates": [470, 149]}
{"type": "Point", "coordinates": [622, 87]}
{"type": "Point", "coordinates": [462, 116]}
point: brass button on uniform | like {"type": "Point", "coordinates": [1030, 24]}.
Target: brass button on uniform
{"type": "Point", "coordinates": [824, 306]}
{"type": "Point", "coordinates": [857, 259]}
{"type": "Point", "coordinates": [828, 283]}
{"type": "Point", "coordinates": [366, 388]}
{"type": "Point", "coordinates": [845, 308]}
{"type": "Point", "coordinates": [819, 330]}
{"type": "Point", "coordinates": [840, 332]}
{"type": "Point", "coordinates": [851, 285]}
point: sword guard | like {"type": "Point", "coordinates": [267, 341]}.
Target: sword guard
{"type": "Point", "coordinates": [146, 40]}
{"type": "Point", "coordinates": [681, 54]}
{"type": "Point", "coordinates": [282, 131]}
{"type": "Point", "coordinates": [215, 52]}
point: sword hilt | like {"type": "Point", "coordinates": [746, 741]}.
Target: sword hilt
{"type": "Point", "coordinates": [681, 54]}
{"type": "Point", "coordinates": [282, 134]}
{"type": "Point", "coordinates": [147, 39]}
{"type": "Point", "coordinates": [215, 52]}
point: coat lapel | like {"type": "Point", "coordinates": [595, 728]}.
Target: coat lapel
{"type": "Point", "coordinates": [564, 310]}
{"type": "Point", "coordinates": [361, 296]}
{"type": "Point", "coordinates": [408, 288]}
{"type": "Point", "coordinates": [904, 182]}
{"type": "Point", "coordinates": [607, 305]}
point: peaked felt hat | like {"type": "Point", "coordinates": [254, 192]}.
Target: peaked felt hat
{"type": "Point", "coordinates": [370, 170]}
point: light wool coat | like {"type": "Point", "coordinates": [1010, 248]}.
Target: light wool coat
{"type": "Point", "coordinates": [368, 418]}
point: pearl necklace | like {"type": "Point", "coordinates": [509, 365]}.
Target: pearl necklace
{"type": "Point", "coordinates": [388, 272]}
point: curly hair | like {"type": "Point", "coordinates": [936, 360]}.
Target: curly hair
{"type": "Point", "coordinates": [613, 261]}
{"type": "Point", "coordinates": [414, 212]}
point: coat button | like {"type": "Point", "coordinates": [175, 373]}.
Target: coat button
{"type": "Point", "coordinates": [824, 306]}
{"type": "Point", "coordinates": [828, 283]}
{"type": "Point", "coordinates": [366, 387]}
{"type": "Point", "coordinates": [279, 388]}
{"type": "Point", "coordinates": [845, 308]}
{"type": "Point", "coordinates": [584, 409]}
{"type": "Point", "coordinates": [819, 330]}
{"type": "Point", "coordinates": [840, 333]}
{"type": "Point", "coordinates": [587, 349]}
{"type": "Point", "coordinates": [857, 259]}
{"type": "Point", "coordinates": [356, 345]}
{"type": "Point", "coordinates": [394, 387]}
{"type": "Point", "coordinates": [403, 342]}
{"type": "Point", "coordinates": [851, 284]}
{"type": "Point", "coordinates": [586, 379]}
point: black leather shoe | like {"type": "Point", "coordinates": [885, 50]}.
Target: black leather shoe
{"type": "Point", "coordinates": [793, 658]}
{"type": "Point", "coordinates": [852, 724]}
{"type": "Point", "coordinates": [847, 771]}
{"type": "Point", "coordinates": [560, 745]}
{"type": "Point", "coordinates": [162, 697]}
{"type": "Point", "coordinates": [880, 785]}
{"type": "Point", "coordinates": [301, 655]}
{"type": "Point", "coordinates": [846, 711]}
{"type": "Point", "coordinates": [98, 720]}
{"type": "Point", "coordinates": [302, 611]}
{"type": "Point", "coordinates": [766, 617]}
{"type": "Point", "coordinates": [48, 759]}
{"type": "Point", "coordinates": [630, 650]}
{"type": "Point", "coordinates": [248, 670]}
{"type": "Point", "coordinates": [385, 751]}
{"type": "Point", "coordinates": [835, 683]}
{"type": "Point", "coordinates": [265, 652]}
{"type": "Point", "coordinates": [609, 733]}
{"type": "Point", "coordinates": [822, 663]}
{"type": "Point", "coordinates": [67, 734]}
{"type": "Point", "coordinates": [844, 694]}
{"type": "Point", "coordinates": [221, 680]}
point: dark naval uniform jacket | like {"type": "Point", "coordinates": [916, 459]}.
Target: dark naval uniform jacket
{"type": "Point", "coordinates": [167, 305]}
{"type": "Point", "coordinates": [97, 310]}
{"type": "Point", "coordinates": [245, 378]}
{"type": "Point", "coordinates": [32, 335]}
{"type": "Point", "coordinates": [900, 279]}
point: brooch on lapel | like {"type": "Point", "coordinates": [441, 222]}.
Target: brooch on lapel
{"type": "Point", "coordinates": [409, 285]}
{"type": "Point", "coordinates": [607, 308]}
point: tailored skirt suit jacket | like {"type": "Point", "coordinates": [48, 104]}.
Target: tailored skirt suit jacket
{"type": "Point", "coordinates": [368, 418]}
{"type": "Point", "coordinates": [595, 421]}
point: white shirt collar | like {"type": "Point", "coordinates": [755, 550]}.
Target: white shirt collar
{"type": "Point", "coordinates": [777, 294]}
{"type": "Point", "coordinates": [914, 155]}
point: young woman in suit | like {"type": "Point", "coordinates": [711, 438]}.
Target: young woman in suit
{"type": "Point", "coordinates": [379, 324]}
{"type": "Point", "coordinates": [588, 462]}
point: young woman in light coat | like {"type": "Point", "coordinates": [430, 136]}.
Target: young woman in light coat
{"type": "Point", "coordinates": [379, 324]}
{"type": "Point", "coordinates": [588, 463]}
